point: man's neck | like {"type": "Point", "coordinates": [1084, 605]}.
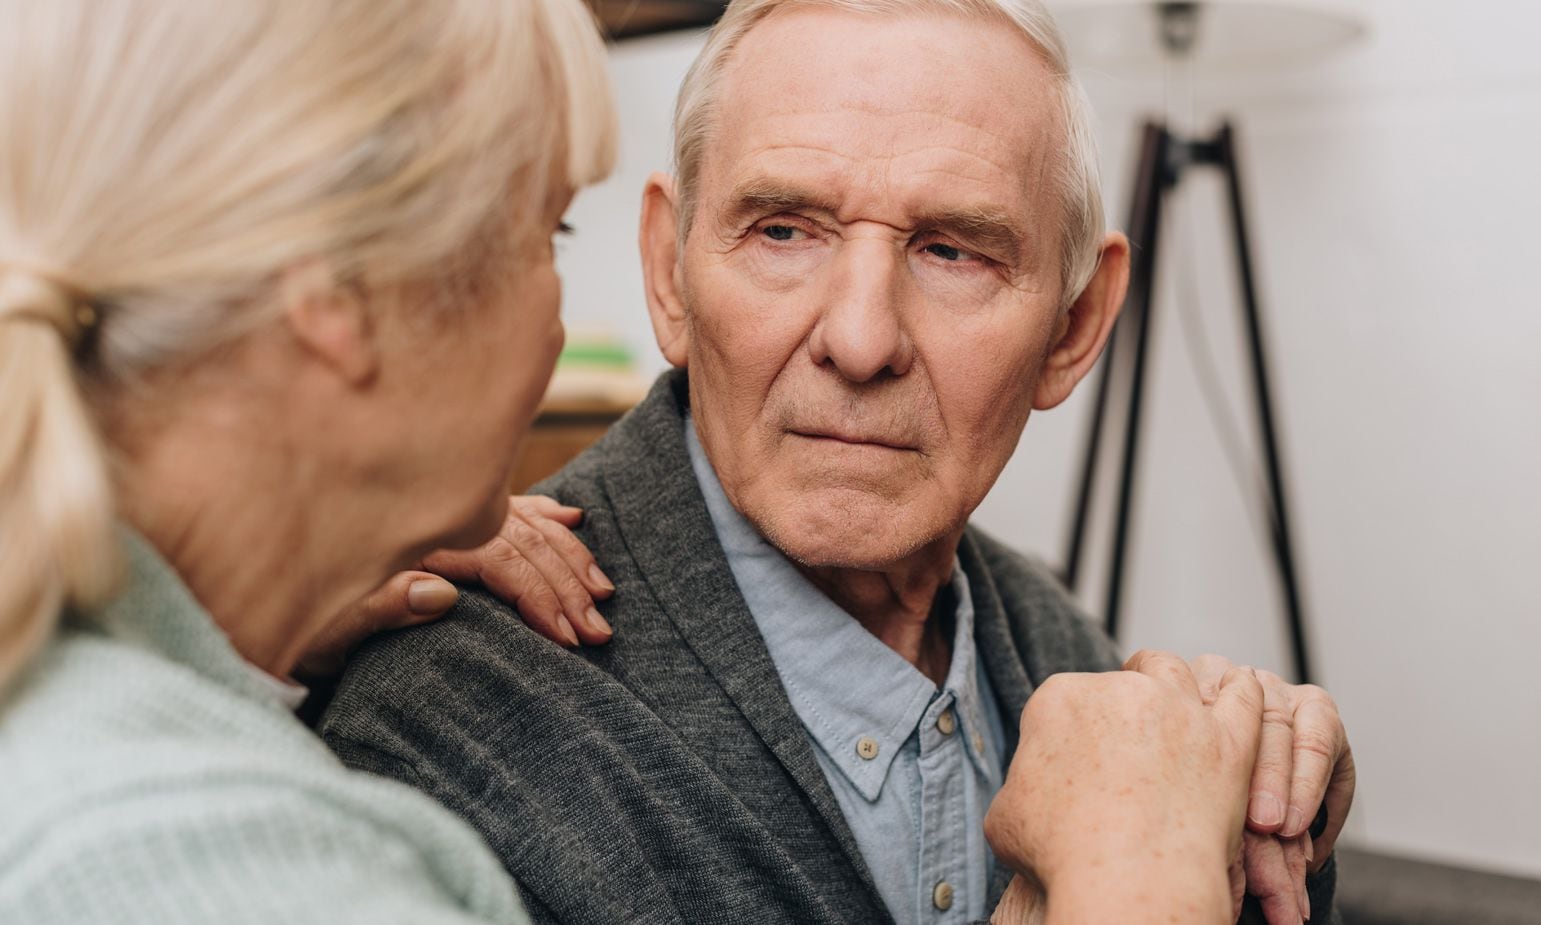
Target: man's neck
{"type": "Point", "coordinates": [904, 605]}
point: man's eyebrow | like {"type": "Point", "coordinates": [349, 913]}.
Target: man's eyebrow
{"type": "Point", "coordinates": [761, 195]}
{"type": "Point", "coordinates": [987, 227]}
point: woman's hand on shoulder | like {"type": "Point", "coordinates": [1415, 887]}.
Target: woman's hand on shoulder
{"type": "Point", "coordinates": [535, 563]}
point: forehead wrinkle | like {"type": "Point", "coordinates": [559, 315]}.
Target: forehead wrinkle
{"type": "Point", "coordinates": [988, 157]}
{"type": "Point", "coordinates": [805, 180]}
{"type": "Point", "coordinates": [837, 130]}
{"type": "Point", "coordinates": [879, 173]}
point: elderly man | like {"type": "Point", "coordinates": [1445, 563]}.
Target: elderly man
{"type": "Point", "coordinates": [882, 251]}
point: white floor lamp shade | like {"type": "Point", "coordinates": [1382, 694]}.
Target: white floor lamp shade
{"type": "Point", "coordinates": [1227, 35]}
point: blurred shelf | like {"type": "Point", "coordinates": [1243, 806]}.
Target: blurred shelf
{"type": "Point", "coordinates": [564, 428]}
{"type": "Point", "coordinates": [627, 19]}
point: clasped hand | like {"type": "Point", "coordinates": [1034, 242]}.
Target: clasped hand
{"type": "Point", "coordinates": [1171, 787]}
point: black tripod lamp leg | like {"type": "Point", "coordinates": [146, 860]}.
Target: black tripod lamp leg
{"type": "Point", "coordinates": [1090, 450]}
{"type": "Point", "coordinates": [1283, 547]}
{"type": "Point", "coordinates": [1145, 227]}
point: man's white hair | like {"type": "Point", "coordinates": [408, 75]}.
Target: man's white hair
{"type": "Point", "coordinates": [1076, 176]}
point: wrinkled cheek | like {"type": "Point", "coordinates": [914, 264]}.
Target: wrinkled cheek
{"type": "Point", "coordinates": [990, 403]}
{"type": "Point", "coordinates": [739, 348]}
{"type": "Point", "coordinates": [1007, 359]}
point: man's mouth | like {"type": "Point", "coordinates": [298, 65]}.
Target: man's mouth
{"type": "Point", "coordinates": [853, 437]}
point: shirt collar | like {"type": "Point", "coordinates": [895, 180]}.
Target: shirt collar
{"type": "Point", "coordinates": [850, 691]}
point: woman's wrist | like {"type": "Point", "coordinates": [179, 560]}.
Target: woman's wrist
{"type": "Point", "coordinates": [1152, 884]}
{"type": "Point", "coordinates": [1134, 897]}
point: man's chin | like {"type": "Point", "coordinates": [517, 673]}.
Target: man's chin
{"type": "Point", "coordinates": [828, 537]}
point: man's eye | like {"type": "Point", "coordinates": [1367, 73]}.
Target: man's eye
{"type": "Point", "coordinates": [946, 251]}
{"type": "Point", "coordinates": [779, 232]}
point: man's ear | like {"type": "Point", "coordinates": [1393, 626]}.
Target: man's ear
{"type": "Point", "coordinates": [662, 278]}
{"type": "Point", "coordinates": [1082, 332]}
{"type": "Point", "coordinates": [331, 322]}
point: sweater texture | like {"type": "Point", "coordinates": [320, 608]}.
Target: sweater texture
{"type": "Point", "coordinates": [149, 774]}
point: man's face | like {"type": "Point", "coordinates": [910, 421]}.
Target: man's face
{"type": "Point", "coordinates": [871, 282]}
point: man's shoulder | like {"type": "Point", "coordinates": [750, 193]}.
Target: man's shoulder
{"type": "Point", "coordinates": [627, 758]}
{"type": "Point", "coordinates": [1049, 625]}
{"type": "Point", "coordinates": [469, 668]}
{"type": "Point", "coordinates": [479, 695]}
{"type": "Point", "coordinates": [478, 631]}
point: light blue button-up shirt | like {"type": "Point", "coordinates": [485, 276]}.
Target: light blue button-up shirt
{"type": "Point", "coordinates": [913, 767]}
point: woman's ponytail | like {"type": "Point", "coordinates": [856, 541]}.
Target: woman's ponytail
{"type": "Point", "coordinates": [57, 546]}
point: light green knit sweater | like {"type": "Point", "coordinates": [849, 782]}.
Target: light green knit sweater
{"type": "Point", "coordinates": [147, 774]}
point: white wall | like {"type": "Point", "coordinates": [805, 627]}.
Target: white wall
{"type": "Point", "coordinates": [601, 272]}
{"type": "Point", "coordinates": [1394, 193]}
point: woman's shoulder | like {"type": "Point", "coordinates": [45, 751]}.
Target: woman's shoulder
{"type": "Point", "coordinates": [106, 712]}
{"type": "Point", "coordinates": [129, 777]}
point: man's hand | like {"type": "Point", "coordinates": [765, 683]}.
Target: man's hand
{"type": "Point", "coordinates": [1303, 761]}
{"type": "Point", "coordinates": [534, 563]}
{"type": "Point", "coordinates": [1273, 869]}
{"type": "Point", "coordinates": [1131, 771]}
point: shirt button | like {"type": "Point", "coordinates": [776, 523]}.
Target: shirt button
{"type": "Point", "coordinates": [946, 723]}
{"type": "Point", "coordinates": [941, 896]}
{"type": "Point", "coordinates": [979, 744]}
{"type": "Point", "coordinates": [867, 747]}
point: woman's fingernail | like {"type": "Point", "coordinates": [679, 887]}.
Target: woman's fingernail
{"type": "Point", "coordinates": [599, 623]}
{"type": "Point", "coordinates": [431, 596]}
{"type": "Point", "coordinates": [1265, 809]}
{"type": "Point", "coordinates": [599, 578]}
{"type": "Point", "coordinates": [1294, 823]}
{"type": "Point", "coordinates": [566, 630]}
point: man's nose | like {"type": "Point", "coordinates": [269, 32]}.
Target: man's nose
{"type": "Point", "coordinates": [861, 330]}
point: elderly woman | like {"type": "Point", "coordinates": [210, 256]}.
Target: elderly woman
{"type": "Point", "coordinates": [276, 305]}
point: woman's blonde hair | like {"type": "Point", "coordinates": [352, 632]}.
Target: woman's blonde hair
{"type": "Point", "coordinates": [161, 161]}
{"type": "Point", "coordinates": [1077, 179]}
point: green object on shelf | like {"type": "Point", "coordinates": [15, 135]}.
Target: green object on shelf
{"type": "Point", "coordinates": [607, 354]}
